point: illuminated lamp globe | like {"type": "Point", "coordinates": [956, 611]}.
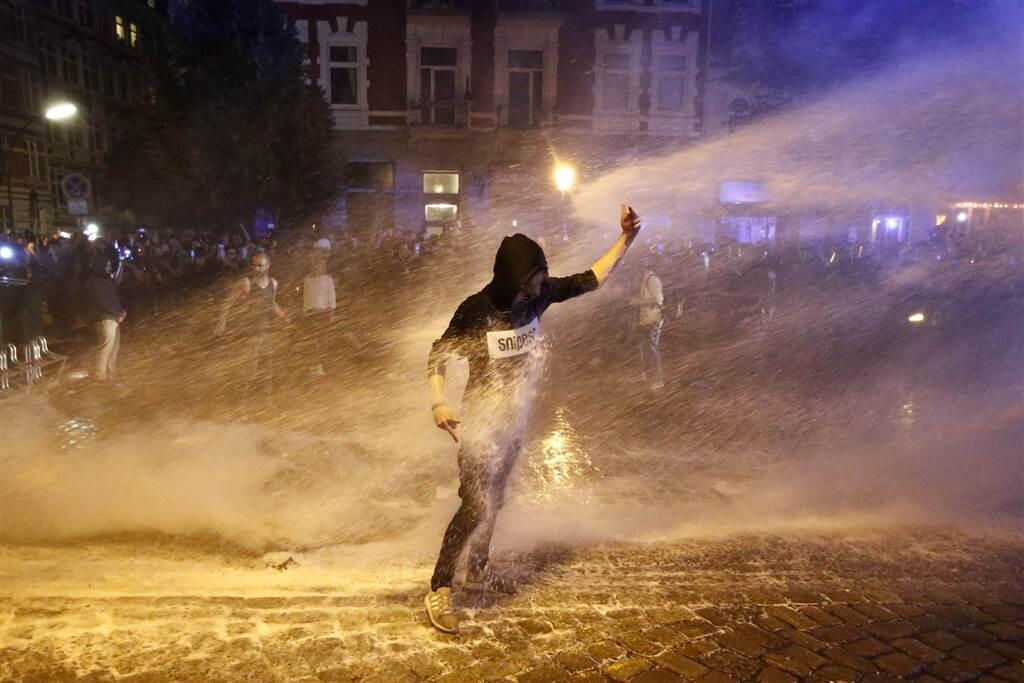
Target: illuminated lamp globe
{"type": "Point", "coordinates": [61, 111]}
{"type": "Point", "coordinates": [565, 176]}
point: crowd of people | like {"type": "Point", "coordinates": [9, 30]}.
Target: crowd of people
{"type": "Point", "coordinates": [64, 285]}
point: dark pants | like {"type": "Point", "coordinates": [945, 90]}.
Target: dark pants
{"type": "Point", "coordinates": [483, 475]}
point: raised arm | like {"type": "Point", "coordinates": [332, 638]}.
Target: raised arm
{"type": "Point", "coordinates": [630, 224]}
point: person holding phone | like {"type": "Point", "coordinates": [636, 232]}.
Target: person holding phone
{"type": "Point", "coordinates": [498, 331]}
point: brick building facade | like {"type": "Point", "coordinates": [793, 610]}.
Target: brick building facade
{"type": "Point", "coordinates": [454, 112]}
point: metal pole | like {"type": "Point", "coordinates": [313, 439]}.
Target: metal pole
{"type": "Point", "coordinates": [7, 171]}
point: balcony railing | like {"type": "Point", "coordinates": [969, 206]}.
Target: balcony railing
{"type": "Point", "coordinates": [439, 113]}
{"type": "Point", "coordinates": [438, 6]}
{"type": "Point", "coordinates": [531, 6]}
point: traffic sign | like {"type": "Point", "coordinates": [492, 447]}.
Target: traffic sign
{"type": "Point", "coordinates": [76, 186]}
{"type": "Point", "coordinates": [78, 207]}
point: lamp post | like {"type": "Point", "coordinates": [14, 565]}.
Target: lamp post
{"type": "Point", "coordinates": [564, 176]}
{"type": "Point", "coordinates": [59, 111]}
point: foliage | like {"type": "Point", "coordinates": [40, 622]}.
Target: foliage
{"type": "Point", "coordinates": [232, 126]}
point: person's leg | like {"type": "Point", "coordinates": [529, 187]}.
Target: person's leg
{"type": "Point", "coordinates": [105, 346]}
{"type": "Point", "coordinates": [480, 545]}
{"type": "Point", "coordinates": [643, 342]}
{"type": "Point", "coordinates": [658, 378]}
{"type": "Point", "coordinates": [472, 511]}
{"type": "Point", "coordinates": [112, 361]}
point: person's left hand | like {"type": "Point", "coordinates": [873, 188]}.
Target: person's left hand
{"type": "Point", "coordinates": [629, 221]}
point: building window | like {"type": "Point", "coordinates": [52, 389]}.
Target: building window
{"type": "Point", "coordinates": [440, 213]}
{"type": "Point", "coordinates": [18, 25]}
{"type": "Point", "coordinates": [71, 58]}
{"type": "Point", "coordinates": [86, 14]}
{"type": "Point", "coordinates": [56, 193]}
{"type": "Point", "coordinates": [119, 29]}
{"type": "Point", "coordinates": [525, 87]}
{"type": "Point", "coordinates": [133, 34]}
{"type": "Point", "coordinates": [440, 182]}
{"type": "Point", "coordinates": [97, 140]}
{"type": "Point", "coordinates": [437, 84]}
{"type": "Point", "coordinates": [90, 75]}
{"type": "Point", "coordinates": [371, 176]}
{"type": "Point", "coordinates": [123, 93]}
{"type": "Point", "coordinates": [344, 74]}
{"type": "Point", "coordinates": [34, 166]}
{"type": "Point", "coordinates": [48, 59]}
{"type": "Point", "coordinates": [108, 81]}
{"type": "Point", "coordinates": [671, 77]}
{"type": "Point", "coordinates": [615, 81]}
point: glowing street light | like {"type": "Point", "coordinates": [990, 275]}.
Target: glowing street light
{"type": "Point", "coordinates": [962, 216]}
{"type": "Point", "coordinates": [565, 176]}
{"type": "Point", "coordinates": [61, 111]}
{"type": "Point", "coordinates": [916, 318]}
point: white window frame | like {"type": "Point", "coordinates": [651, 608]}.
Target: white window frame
{"type": "Point", "coordinates": [458, 182]}
{"type": "Point", "coordinates": [424, 31]}
{"type": "Point", "coordinates": [34, 159]}
{"type": "Point", "coordinates": [346, 116]}
{"type": "Point", "coordinates": [532, 73]}
{"type": "Point", "coordinates": [658, 72]}
{"type": "Point", "coordinates": [347, 65]}
{"type": "Point", "coordinates": [684, 121]}
{"type": "Point", "coordinates": [526, 33]}
{"type": "Point", "coordinates": [440, 205]}
{"type": "Point", "coordinates": [618, 41]}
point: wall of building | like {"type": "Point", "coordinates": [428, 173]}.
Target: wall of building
{"type": "Point", "coordinates": [77, 51]}
{"type": "Point", "coordinates": [504, 163]}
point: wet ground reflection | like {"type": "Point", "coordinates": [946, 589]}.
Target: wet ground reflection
{"type": "Point", "coordinates": [560, 466]}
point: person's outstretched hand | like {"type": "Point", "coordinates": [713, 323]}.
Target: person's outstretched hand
{"type": "Point", "coordinates": [630, 221]}
{"type": "Point", "coordinates": [445, 419]}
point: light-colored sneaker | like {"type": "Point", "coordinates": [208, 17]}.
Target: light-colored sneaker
{"type": "Point", "coordinates": [440, 612]}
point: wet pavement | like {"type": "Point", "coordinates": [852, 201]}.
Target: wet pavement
{"type": "Point", "coordinates": [923, 604]}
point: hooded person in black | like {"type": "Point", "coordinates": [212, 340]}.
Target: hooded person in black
{"type": "Point", "coordinates": [498, 331]}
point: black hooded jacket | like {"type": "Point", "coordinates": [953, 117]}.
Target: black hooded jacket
{"type": "Point", "coordinates": [492, 334]}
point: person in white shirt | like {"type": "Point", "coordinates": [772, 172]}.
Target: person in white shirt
{"type": "Point", "coordinates": [319, 301]}
{"type": "Point", "coordinates": [649, 321]}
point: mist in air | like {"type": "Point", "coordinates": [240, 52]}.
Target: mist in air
{"type": "Point", "coordinates": [840, 414]}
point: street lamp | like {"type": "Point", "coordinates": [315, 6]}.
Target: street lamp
{"type": "Point", "coordinates": [58, 111]}
{"type": "Point", "coordinates": [564, 176]}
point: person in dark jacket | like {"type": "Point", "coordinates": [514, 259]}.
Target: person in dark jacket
{"type": "Point", "coordinates": [498, 331]}
{"type": "Point", "coordinates": [106, 313]}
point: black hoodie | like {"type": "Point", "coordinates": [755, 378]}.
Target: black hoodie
{"type": "Point", "coordinates": [488, 331]}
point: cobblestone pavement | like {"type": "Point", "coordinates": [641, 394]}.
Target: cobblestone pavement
{"type": "Point", "coordinates": [926, 604]}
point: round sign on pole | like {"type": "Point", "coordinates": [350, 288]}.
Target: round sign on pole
{"type": "Point", "coordinates": [75, 186]}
